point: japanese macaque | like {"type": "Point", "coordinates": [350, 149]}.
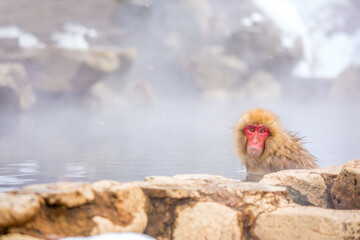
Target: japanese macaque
{"type": "Point", "coordinates": [264, 146]}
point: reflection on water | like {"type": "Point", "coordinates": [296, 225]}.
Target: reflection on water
{"type": "Point", "coordinates": [253, 177]}
{"type": "Point", "coordinates": [70, 145]}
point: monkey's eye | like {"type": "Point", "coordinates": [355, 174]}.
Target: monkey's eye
{"type": "Point", "coordinates": [251, 129]}
{"type": "Point", "coordinates": [262, 130]}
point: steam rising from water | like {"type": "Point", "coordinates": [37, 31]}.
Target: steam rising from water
{"type": "Point", "coordinates": [68, 144]}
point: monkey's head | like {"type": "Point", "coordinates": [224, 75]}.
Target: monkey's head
{"type": "Point", "coordinates": [254, 131]}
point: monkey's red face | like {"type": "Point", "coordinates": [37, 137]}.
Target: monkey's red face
{"type": "Point", "coordinates": [256, 136]}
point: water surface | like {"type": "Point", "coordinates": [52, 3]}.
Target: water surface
{"type": "Point", "coordinates": [69, 144]}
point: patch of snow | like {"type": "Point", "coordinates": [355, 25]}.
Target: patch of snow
{"type": "Point", "coordinates": [257, 17]}
{"type": "Point", "coordinates": [24, 39]}
{"type": "Point", "coordinates": [334, 54]}
{"type": "Point", "coordinates": [254, 18]}
{"type": "Point", "coordinates": [302, 70]}
{"type": "Point", "coordinates": [325, 56]}
{"type": "Point", "coordinates": [74, 36]}
{"type": "Point", "coordinates": [287, 19]}
{"type": "Point", "coordinates": [246, 22]}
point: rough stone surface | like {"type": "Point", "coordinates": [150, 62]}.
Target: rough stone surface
{"type": "Point", "coordinates": [131, 204]}
{"type": "Point", "coordinates": [187, 207]}
{"type": "Point", "coordinates": [307, 223]}
{"type": "Point", "coordinates": [329, 174]}
{"type": "Point", "coordinates": [17, 236]}
{"type": "Point", "coordinates": [207, 220]}
{"type": "Point", "coordinates": [306, 187]}
{"type": "Point", "coordinates": [17, 208]}
{"type": "Point", "coordinates": [345, 193]}
{"type": "Point", "coordinates": [169, 194]}
{"type": "Point", "coordinates": [105, 206]}
{"type": "Point", "coordinates": [67, 194]}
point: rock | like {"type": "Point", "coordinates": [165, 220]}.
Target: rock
{"type": "Point", "coordinates": [179, 196]}
{"type": "Point", "coordinates": [347, 85]}
{"type": "Point", "coordinates": [104, 225]}
{"type": "Point", "coordinates": [307, 223]}
{"type": "Point", "coordinates": [78, 209]}
{"type": "Point", "coordinates": [15, 87]}
{"type": "Point", "coordinates": [130, 203]}
{"type": "Point", "coordinates": [207, 220]}
{"type": "Point", "coordinates": [58, 70]}
{"type": "Point", "coordinates": [261, 46]}
{"type": "Point", "coordinates": [189, 206]}
{"type": "Point", "coordinates": [329, 174]}
{"type": "Point", "coordinates": [17, 236]}
{"type": "Point", "coordinates": [345, 192]}
{"type": "Point", "coordinates": [202, 186]}
{"type": "Point", "coordinates": [9, 44]}
{"type": "Point", "coordinates": [306, 187]}
{"type": "Point", "coordinates": [139, 95]}
{"type": "Point", "coordinates": [217, 71]}
{"type": "Point", "coordinates": [66, 194]}
{"type": "Point", "coordinates": [262, 86]}
{"type": "Point", "coordinates": [105, 96]}
{"type": "Point", "coordinates": [17, 209]}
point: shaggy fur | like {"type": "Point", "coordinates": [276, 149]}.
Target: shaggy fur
{"type": "Point", "coordinates": [282, 150]}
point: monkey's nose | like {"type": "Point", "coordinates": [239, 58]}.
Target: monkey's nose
{"type": "Point", "coordinates": [255, 139]}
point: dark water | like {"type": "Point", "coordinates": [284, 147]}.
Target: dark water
{"type": "Point", "coordinates": [73, 145]}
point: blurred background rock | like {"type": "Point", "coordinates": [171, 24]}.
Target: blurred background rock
{"type": "Point", "coordinates": [97, 52]}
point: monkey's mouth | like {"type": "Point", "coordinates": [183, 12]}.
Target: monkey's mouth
{"type": "Point", "coordinates": [254, 151]}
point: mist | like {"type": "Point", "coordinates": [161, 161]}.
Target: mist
{"type": "Point", "coordinates": [122, 90]}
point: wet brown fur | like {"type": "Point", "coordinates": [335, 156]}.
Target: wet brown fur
{"type": "Point", "coordinates": [282, 150]}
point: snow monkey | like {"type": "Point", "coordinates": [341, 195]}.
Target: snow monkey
{"type": "Point", "coordinates": [264, 146]}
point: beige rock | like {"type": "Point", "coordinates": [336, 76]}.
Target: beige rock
{"type": "Point", "coordinates": [345, 193]}
{"type": "Point", "coordinates": [217, 71]}
{"type": "Point", "coordinates": [79, 209]}
{"type": "Point", "coordinates": [170, 195]}
{"type": "Point", "coordinates": [347, 85]}
{"type": "Point", "coordinates": [17, 209]}
{"type": "Point", "coordinates": [17, 236]}
{"type": "Point", "coordinates": [186, 207]}
{"type": "Point", "coordinates": [14, 77]}
{"type": "Point", "coordinates": [104, 225]}
{"type": "Point", "coordinates": [130, 202]}
{"type": "Point", "coordinates": [207, 220]}
{"type": "Point", "coordinates": [105, 61]}
{"type": "Point", "coordinates": [70, 194]}
{"type": "Point", "coordinates": [201, 186]}
{"type": "Point", "coordinates": [262, 86]}
{"type": "Point", "coordinates": [306, 187]}
{"type": "Point", "coordinates": [72, 70]}
{"type": "Point", "coordinates": [179, 186]}
{"type": "Point", "coordinates": [329, 174]}
{"type": "Point", "coordinates": [307, 223]}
